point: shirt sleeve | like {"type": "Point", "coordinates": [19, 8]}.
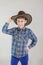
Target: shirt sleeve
{"type": "Point", "coordinates": [6, 30]}
{"type": "Point", "coordinates": [33, 37]}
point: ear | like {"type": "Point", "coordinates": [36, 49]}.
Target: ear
{"type": "Point", "coordinates": [25, 21]}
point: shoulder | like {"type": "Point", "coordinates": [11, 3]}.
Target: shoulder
{"type": "Point", "coordinates": [28, 29]}
{"type": "Point", "coordinates": [14, 28]}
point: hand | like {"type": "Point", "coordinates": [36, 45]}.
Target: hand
{"type": "Point", "coordinates": [26, 48]}
{"type": "Point", "coordinates": [9, 20]}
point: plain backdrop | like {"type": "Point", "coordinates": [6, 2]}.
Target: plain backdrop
{"type": "Point", "coordinates": [9, 8]}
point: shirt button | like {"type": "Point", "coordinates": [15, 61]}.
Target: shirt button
{"type": "Point", "coordinates": [19, 39]}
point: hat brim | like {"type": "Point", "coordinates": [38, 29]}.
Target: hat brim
{"type": "Point", "coordinates": [28, 17]}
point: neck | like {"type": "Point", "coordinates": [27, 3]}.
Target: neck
{"type": "Point", "coordinates": [22, 27]}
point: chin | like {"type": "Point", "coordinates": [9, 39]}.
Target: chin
{"type": "Point", "coordinates": [21, 27]}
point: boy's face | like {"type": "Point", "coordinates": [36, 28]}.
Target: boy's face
{"type": "Point", "coordinates": [21, 22]}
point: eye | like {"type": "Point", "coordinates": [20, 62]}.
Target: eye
{"type": "Point", "coordinates": [18, 21]}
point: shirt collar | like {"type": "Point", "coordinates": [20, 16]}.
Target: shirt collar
{"type": "Point", "coordinates": [19, 29]}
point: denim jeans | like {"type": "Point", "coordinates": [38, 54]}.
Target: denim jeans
{"type": "Point", "coordinates": [23, 60]}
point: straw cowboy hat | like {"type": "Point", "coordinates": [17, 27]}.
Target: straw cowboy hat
{"type": "Point", "coordinates": [22, 14]}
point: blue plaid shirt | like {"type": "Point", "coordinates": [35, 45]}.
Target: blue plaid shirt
{"type": "Point", "coordinates": [20, 38]}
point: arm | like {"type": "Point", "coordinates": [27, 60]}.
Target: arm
{"type": "Point", "coordinates": [6, 30]}
{"type": "Point", "coordinates": [33, 37]}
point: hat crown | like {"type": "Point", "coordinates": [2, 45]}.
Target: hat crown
{"type": "Point", "coordinates": [21, 13]}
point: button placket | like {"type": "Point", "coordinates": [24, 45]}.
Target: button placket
{"type": "Point", "coordinates": [18, 37]}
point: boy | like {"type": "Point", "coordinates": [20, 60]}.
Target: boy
{"type": "Point", "coordinates": [20, 37]}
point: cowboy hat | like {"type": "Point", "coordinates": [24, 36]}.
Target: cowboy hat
{"type": "Point", "coordinates": [22, 14]}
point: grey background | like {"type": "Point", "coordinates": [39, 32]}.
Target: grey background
{"type": "Point", "coordinates": [11, 7]}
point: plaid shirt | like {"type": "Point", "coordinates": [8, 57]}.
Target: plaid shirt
{"type": "Point", "coordinates": [20, 39]}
